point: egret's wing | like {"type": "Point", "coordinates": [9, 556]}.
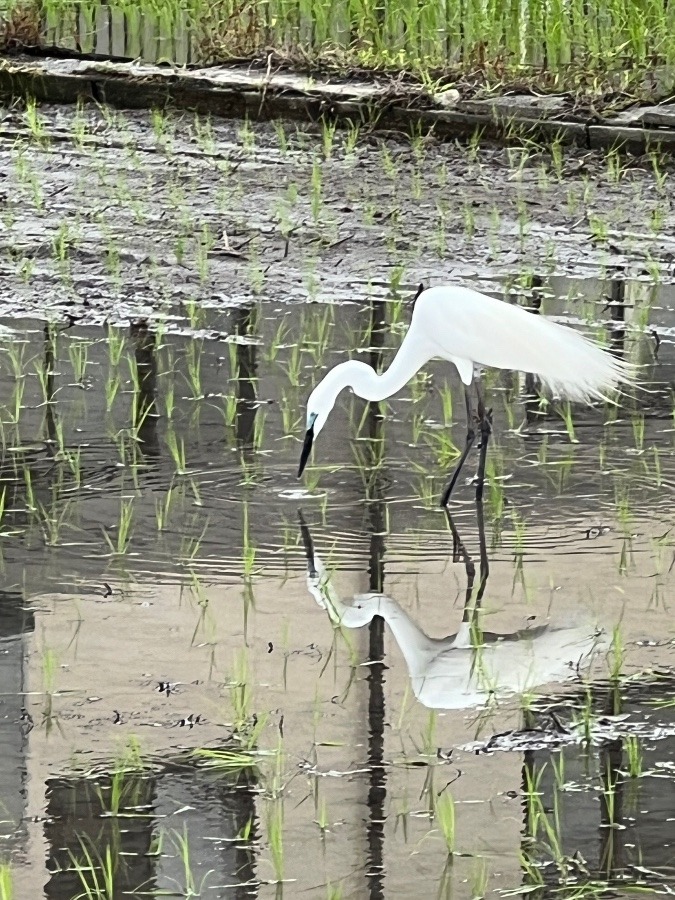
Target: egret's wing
{"type": "Point", "coordinates": [490, 332]}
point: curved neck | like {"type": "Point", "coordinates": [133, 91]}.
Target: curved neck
{"type": "Point", "coordinates": [366, 383]}
{"type": "Point", "coordinates": [417, 647]}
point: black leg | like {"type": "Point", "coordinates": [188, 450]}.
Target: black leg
{"type": "Point", "coordinates": [470, 438]}
{"type": "Point", "coordinates": [474, 596]}
{"type": "Point", "coordinates": [482, 545]}
{"type": "Point", "coordinates": [459, 551]}
{"type": "Point", "coordinates": [485, 420]}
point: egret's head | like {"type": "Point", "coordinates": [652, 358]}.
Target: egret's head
{"type": "Point", "coordinates": [317, 413]}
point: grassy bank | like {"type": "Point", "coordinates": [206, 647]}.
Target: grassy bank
{"type": "Point", "coordinates": [593, 46]}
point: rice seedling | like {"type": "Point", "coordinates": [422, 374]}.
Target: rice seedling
{"type": "Point", "coordinates": [352, 139]}
{"type": "Point", "coordinates": [29, 178]}
{"type": "Point", "coordinates": [478, 880]}
{"type": "Point", "coordinates": [6, 882]}
{"type": "Point", "coordinates": [78, 351]}
{"type": "Point", "coordinates": [226, 760]}
{"type": "Point", "coordinates": [202, 127]}
{"type": "Point", "coordinates": [190, 545]}
{"type": "Point", "coordinates": [469, 220]}
{"type": "Point", "coordinates": [241, 692]}
{"type": "Point", "coordinates": [35, 122]}
{"type": "Point", "coordinates": [617, 654]}
{"type": "Point", "coordinates": [282, 137]}
{"type": "Point", "coordinates": [657, 159]}
{"type": "Point", "coordinates": [177, 451]}
{"type": "Point", "coordinates": [246, 136]}
{"type": "Point", "coordinates": [569, 422]}
{"type": "Point", "coordinates": [52, 521]}
{"type": "Point", "coordinates": [248, 548]}
{"type": "Point", "coordinates": [322, 815]}
{"type": "Point", "coordinates": [328, 137]}
{"type": "Point", "coordinates": [160, 126]}
{"type": "Point", "coordinates": [316, 194]}
{"type": "Point", "coordinates": [634, 757]}
{"type": "Point", "coordinates": [120, 542]}
{"type": "Point", "coordinates": [31, 503]}
{"type": "Point", "coordinates": [163, 509]}
{"type": "Point", "coordinates": [293, 365]}
{"type": "Point", "coordinates": [116, 344]}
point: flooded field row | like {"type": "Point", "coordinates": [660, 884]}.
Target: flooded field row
{"type": "Point", "coordinates": [219, 681]}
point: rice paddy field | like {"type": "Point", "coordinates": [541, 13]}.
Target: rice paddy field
{"type": "Point", "coordinates": [192, 702]}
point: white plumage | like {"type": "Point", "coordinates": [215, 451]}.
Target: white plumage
{"type": "Point", "coordinates": [471, 329]}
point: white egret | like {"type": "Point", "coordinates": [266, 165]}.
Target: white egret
{"type": "Point", "coordinates": [470, 330]}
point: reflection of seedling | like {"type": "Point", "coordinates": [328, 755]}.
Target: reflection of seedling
{"type": "Point", "coordinates": [316, 341]}
{"type": "Point", "coordinates": [586, 719]}
{"type": "Point", "coordinates": [275, 835]}
{"type": "Point", "coordinates": [189, 886]}
{"type": "Point", "coordinates": [444, 448]}
{"type": "Point", "coordinates": [95, 871]}
{"type": "Point", "coordinates": [444, 814]}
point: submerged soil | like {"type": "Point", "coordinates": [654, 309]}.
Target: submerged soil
{"type": "Point", "coordinates": [111, 215]}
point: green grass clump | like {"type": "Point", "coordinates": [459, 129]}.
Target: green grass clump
{"type": "Point", "coordinates": [558, 44]}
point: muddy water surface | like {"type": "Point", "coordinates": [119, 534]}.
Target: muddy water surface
{"type": "Point", "coordinates": [159, 594]}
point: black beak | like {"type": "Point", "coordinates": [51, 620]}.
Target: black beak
{"type": "Point", "coordinates": [309, 545]}
{"type": "Point", "coordinates": [306, 450]}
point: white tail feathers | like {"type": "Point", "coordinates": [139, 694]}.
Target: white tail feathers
{"type": "Point", "coordinates": [580, 370]}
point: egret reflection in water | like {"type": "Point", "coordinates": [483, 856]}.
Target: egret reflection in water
{"type": "Point", "coordinates": [472, 666]}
